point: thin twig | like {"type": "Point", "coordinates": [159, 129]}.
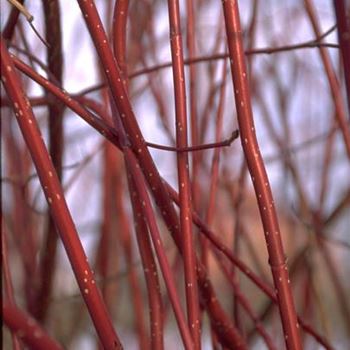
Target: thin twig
{"type": "Point", "coordinates": [22, 9]}
{"type": "Point", "coordinates": [224, 143]}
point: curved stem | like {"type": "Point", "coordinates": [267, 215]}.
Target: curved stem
{"type": "Point", "coordinates": [259, 177]}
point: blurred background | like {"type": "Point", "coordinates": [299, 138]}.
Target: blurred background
{"type": "Point", "coordinates": [301, 143]}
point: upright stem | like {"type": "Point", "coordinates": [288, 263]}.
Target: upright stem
{"type": "Point", "coordinates": [8, 287]}
{"type": "Point", "coordinates": [120, 16]}
{"type": "Point", "coordinates": [10, 25]}
{"type": "Point", "coordinates": [156, 309]}
{"type": "Point", "coordinates": [183, 172]}
{"type": "Point", "coordinates": [119, 34]}
{"type": "Point", "coordinates": [191, 49]}
{"type": "Point", "coordinates": [55, 120]}
{"type": "Point", "coordinates": [138, 183]}
{"type": "Point", "coordinates": [226, 332]}
{"type": "Point", "coordinates": [259, 177]}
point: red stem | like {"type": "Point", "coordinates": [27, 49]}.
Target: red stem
{"type": "Point", "coordinates": [26, 243]}
{"type": "Point", "coordinates": [8, 287]}
{"type": "Point", "coordinates": [333, 82]}
{"type": "Point", "coordinates": [119, 34]}
{"type": "Point", "coordinates": [245, 303]}
{"type": "Point", "coordinates": [52, 16]}
{"type": "Point", "coordinates": [264, 287]}
{"type": "Point", "coordinates": [342, 14]}
{"type": "Point", "coordinates": [184, 184]}
{"type": "Point", "coordinates": [27, 329]}
{"type": "Point", "coordinates": [132, 272]}
{"type": "Point", "coordinates": [111, 135]}
{"type": "Point", "coordinates": [98, 124]}
{"type": "Point", "coordinates": [10, 25]}
{"type": "Point", "coordinates": [227, 333]}
{"type": "Point", "coordinates": [150, 272]}
{"type": "Point", "coordinates": [209, 216]}
{"type": "Point", "coordinates": [55, 199]}
{"type": "Point", "coordinates": [103, 254]}
{"type": "Point", "coordinates": [259, 177]}
{"type": "Point", "coordinates": [137, 180]}
{"type": "Point", "coordinates": [191, 49]}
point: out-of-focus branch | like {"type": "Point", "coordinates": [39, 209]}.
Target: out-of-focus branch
{"type": "Point", "coordinates": [27, 329]}
{"type": "Point", "coordinates": [342, 14]}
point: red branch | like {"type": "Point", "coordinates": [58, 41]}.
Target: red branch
{"type": "Point", "coordinates": [184, 185]}
{"type": "Point", "coordinates": [27, 329]}
{"type": "Point", "coordinates": [56, 201]}
{"type": "Point", "coordinates": [259, 177]}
